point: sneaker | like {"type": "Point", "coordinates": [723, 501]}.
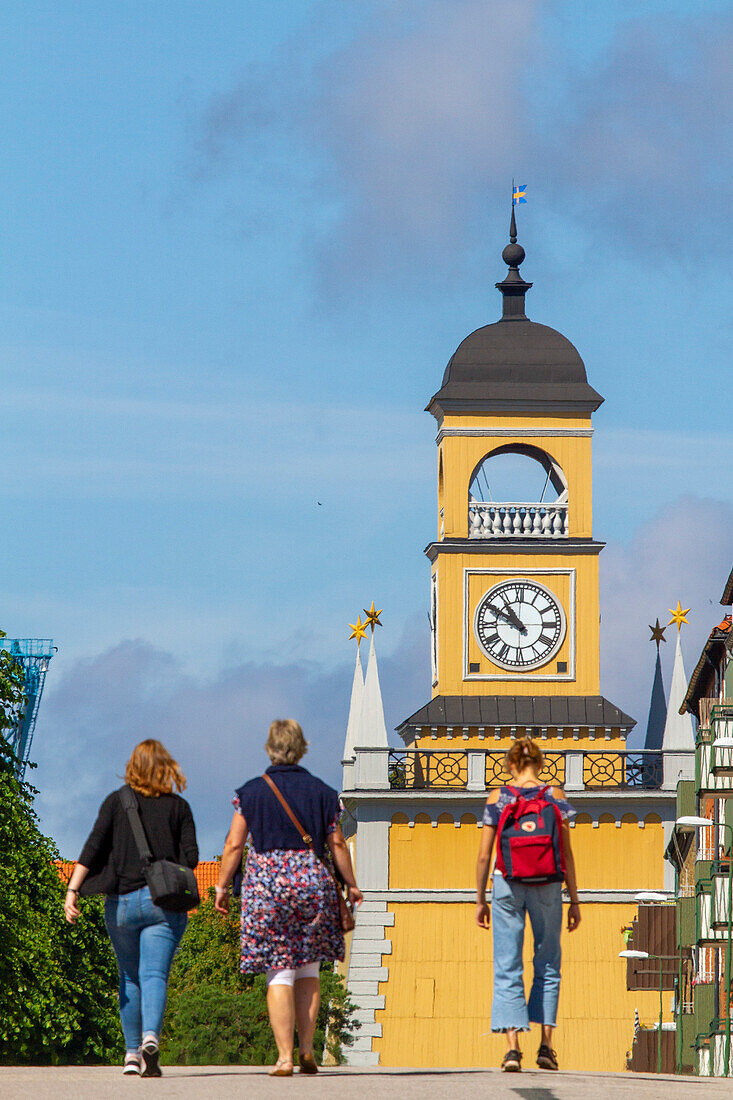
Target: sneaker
{"type": "Point", "coordinates": [547, 1058]}
{"type": "Point", "coordinates": [512, 1061]}
{"type": "Point", "coordinates": [151, 1057]}
{"type": "Point", "coordinates": [132, 1066]}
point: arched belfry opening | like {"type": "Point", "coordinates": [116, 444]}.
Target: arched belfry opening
{"type": "Point", "coordinates": [518, 491]}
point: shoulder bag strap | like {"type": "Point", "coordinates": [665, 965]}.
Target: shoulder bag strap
{"type": "Point", "coordinates": [306, 837]}
{"type": "Point", "coordinates": [129, 803]}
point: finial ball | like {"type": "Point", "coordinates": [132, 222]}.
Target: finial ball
{"type": "Point", "coordinates": [513, 255]}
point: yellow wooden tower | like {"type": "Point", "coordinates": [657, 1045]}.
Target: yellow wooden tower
{"type": "Point", "coordinates": [515, 650]}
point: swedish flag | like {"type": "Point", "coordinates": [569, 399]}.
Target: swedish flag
{"type": "Point", "coordinates": [518, 195]}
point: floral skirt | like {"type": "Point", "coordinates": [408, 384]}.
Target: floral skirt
{"type": "Point", "coordinates": [290, 915]}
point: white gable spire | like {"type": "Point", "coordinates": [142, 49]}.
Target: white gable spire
{"type": "Point", "coordinates": [678, 731]}
{"type": "Point", "coordinates": [352, 726]}
{"type": "Point", "coordinates": [372, 729]}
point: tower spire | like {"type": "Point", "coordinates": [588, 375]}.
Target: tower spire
{"type": "Point", "coordinates": [513, 287]}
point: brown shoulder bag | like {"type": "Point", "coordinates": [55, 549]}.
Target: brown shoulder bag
{"type": "Point", "coordinates": [346, 916]}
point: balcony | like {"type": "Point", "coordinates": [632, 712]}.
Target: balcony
{"type": "Point", "coordinates": [517, 521]}
{"type": "Point", "coordinates": [481, 770]}
{"type": "Point", "coordinates": [719, 908]}
{"type": "Point", "coordinates": [714, 766]}
{"type": "Point", "coordinates": [721, 726]}
{"type": "Point", "coordinates": [711, 905]}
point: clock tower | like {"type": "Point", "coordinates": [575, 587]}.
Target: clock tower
{"type": "Point", "coordinates": [514, 568]}
{"type": "Point", "coordinates": [515, 650]}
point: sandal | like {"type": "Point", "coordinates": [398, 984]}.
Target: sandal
{"type": "Point", "coordinates": [307, 1063]}
{"type": "Point", "coordinates": [282, 1068]}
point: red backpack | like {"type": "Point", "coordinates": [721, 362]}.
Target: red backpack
{"type": "Point", "coordinates": [529, 839]}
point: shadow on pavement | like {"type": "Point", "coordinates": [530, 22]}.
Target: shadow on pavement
{"type": "Point", "coordinates": [536, 1094]}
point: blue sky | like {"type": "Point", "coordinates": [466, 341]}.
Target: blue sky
{"type": "Point", "coordinates": [240, 244]}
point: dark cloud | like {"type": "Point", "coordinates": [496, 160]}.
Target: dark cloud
{"type": "Point", "coordinates": [416, 123]}
{"type": "Point", "coordinates": [645, 138]}
{"type": "Point", "coordinates": [216, 728]}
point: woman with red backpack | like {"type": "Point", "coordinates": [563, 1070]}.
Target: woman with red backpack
{"type": "Point", "coordinates": [528, 823]}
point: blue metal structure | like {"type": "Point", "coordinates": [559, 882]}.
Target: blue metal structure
{"type": "Point", "coordinates": [34, 655]}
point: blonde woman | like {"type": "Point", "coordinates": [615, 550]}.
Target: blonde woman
{"type": "Point", "coordinates": [290, 920]}
{"type": "Point", "coordinates": [514, 898]}
{"type": "Point", "coordinates": [144, 936]}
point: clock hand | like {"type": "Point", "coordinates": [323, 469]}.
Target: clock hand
{"type": "Point", "coordinates": [514, 619]}
{"type": "Point", "coordinates": [508, 614]}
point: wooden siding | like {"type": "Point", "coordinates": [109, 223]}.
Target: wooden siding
{"type": "Point", "coordinates": [427, 857]}
{"type": "Point", "coordinates": [451, 622]}
{"type": "Point", "coordinates": [438, 997]}
{"type": "Point", "coordinates": [653, 931]}
{"type": "Point", "coordinates": [462, 454]}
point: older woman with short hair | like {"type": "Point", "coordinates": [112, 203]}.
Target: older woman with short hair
{"type": "Point", "coordinates": [290, 918]}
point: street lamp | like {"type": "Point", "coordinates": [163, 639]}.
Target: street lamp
{"type": "Point", "coordinates": [646, 955]}
{"type": "Point", "coordinates": [693, 822]}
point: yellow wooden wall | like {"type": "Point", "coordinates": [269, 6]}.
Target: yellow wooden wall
{"type": "Point", "coordinates": [609, 857]}
{"type": "Point", "coordinates": [438, 997]}
{"type": "Point", "coordinates": [450, 569]}
{"type": "Point", "coordinates": [461, 454]}
{"type": "Point", "coordinates": [439, 990]}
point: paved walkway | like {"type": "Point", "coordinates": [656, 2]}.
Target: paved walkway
{"type": "Point", "coordinates": [406, 1084]}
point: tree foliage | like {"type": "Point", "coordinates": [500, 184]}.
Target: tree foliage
{"type": "Point", "coordinates": [218, 1016]}
{"type": "Point", "coordinates": [58, 982]}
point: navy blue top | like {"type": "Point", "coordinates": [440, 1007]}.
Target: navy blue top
{"type": "Point", "coordinates": [314, 803]}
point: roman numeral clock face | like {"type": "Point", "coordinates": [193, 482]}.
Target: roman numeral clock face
{"type": "Point", "coordinates": [519, 625]}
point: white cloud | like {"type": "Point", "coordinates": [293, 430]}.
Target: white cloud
{"type": "Point", "coordinates": [412, 126]}
{"type": "Point", "coordinates": [684, 553]}
{"type": "Point", "coordinates": [215, 726]}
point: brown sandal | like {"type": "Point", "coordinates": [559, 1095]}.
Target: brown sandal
{"type": "Point", "coordinates": [280, 1070]}
{"type": "Point", "coordinates": [307, 1063]}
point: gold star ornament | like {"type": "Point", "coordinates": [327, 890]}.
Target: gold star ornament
{"type": "Point", "coordinates": [657, 633]}
{"type": "Point", "coordinates": [679, 616]}
{"type": "Point", "coordinates": [372, 617]}
{"type": "Point", "coordinates": [358, 630]}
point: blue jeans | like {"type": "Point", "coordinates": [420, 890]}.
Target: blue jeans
{"type": "Point", "coordinates": [145, 939]}
{"type": "Point", "coordinates": [510, 904]}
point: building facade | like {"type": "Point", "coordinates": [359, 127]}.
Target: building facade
{"type": "Point", "coordinates": [701, 857]}
{"type": "Point", "coordinates": [515, 650]}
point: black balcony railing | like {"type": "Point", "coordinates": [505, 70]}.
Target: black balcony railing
{"type": "Point", "coordinates": [433, 769]}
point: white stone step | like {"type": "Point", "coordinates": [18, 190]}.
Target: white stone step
{"type": "Point", "coordinates": [372, 1001]}
{"type": "Point", "coordinates": [368, 973]}
{"type": "Point", "coordinates": [373, 918]}
{"type": "Point", "coordinates": [368, 1028]}
{"type": "Point", "coordinates": [358, 989]}
{"type": "Point", "coordinates": [371, 947]}
{"type": "Point", "coordinates": [360, 961]}
{"type": "Point", "coordinates": [361, 1058]}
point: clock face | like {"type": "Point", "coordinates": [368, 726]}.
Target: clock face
{"type": "Point", "coordinates": [519, 624]}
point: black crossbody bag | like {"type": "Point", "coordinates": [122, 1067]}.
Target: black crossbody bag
{"type": "Point", "coordinates": [171, 886]}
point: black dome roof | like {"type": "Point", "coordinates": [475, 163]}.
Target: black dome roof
{"type": "Point", "coordinates": [515, 363]}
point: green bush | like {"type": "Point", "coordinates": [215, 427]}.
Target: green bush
{"type": "Point", "coordinates": [218, 1016]}
{"type": "Point", "coordinates": [58, 982]}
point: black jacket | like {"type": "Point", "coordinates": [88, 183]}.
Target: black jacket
{"type": "Point", "coordinates": [110, 851]}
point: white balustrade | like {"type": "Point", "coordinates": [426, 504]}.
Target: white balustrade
{"type": "Point", "coordinates": [516, 520]}
{"type": "Point", "coordinates": [709, 782]}
{"type": "Point", "coordinates": [709, 931]}
{"type": "Point", "coordinates": [719, 912]}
